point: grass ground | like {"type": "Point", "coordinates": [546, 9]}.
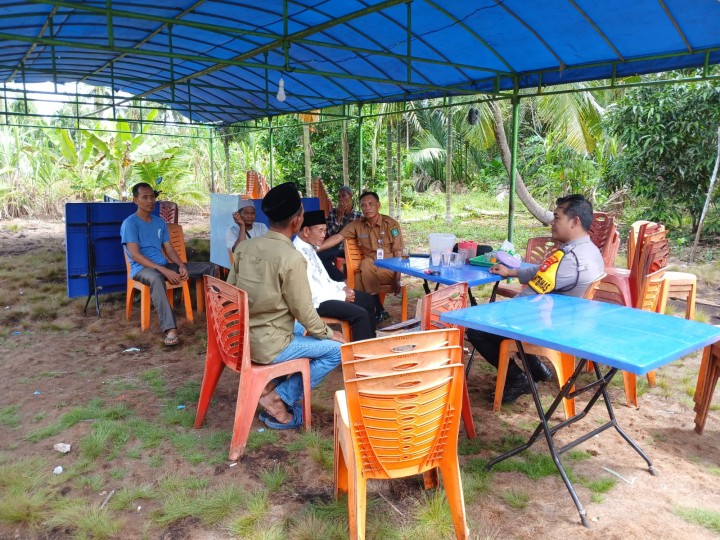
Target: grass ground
{"type": "Point", "coordinates": [137, 468]}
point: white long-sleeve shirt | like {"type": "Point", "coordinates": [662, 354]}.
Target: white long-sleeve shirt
{"type": "Point", "coordinates": [322, 287]}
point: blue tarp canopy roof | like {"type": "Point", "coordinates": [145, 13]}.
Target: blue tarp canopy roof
{"type": "Point", "coordinates": [220, 61]}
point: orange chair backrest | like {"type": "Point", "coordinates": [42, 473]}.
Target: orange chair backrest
{"type": "Point", "coordinates": [401, 362]}
{"type": "Point", "coordinates": [228, 324]}
{"type": "Point", "coordinates": [168, 211]}
{"type": "Point", "coordinates": [177, 240]}
{"type": "Point", "coordinates": [593, 287]}
{"type": "Point", "coordinates": [539, 248]}
{"type": "Point", "coordinates": [405, 423]}
{"type": "Point", "coordinates": [653, 297]}
{"type": "Point", "coordinates": [603, 234]}
{"type": "Point", "coordinates": [441, 301]}
{"type": "Point", "coordinates": [400, 343]}
{"type": "Point", "coordinates": [609, 290]}
{"type": "Point", "coordinates": [319, 191]}
{"type": "Point", "coordinates": [353, 256]}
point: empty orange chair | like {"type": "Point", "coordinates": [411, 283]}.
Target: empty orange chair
{"type": "Point", "coordinates": [707, 381]}
{"type": "Point", "coordinates": [436, 303]}
{"type": "Point", "coordinates": [145, 301]}
{"type": "Point", "coordinates": [536, 252]}
{"type": "Point", "coordinates": [563, 363]}
{"type": "Point", "coordinates": [177, 239]}
{"type": "Point", "coordinates": [604, 235]}
{"type": "Point", "coordinates": [399, 424]}
{"type": "Point", "coordinates": [353, 256]}
{"type": "Point", "coordinates": [228, 344]}
{"type": "Point", "coordinates": [168, 211]}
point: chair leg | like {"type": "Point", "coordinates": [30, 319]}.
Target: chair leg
{"type": "Point", "coordinates": [467, 412]}
{"type": "Point", "coordinates": [130, 296]}
{"type": "Point", "coordinates": [357, 494]}
{"type": "Point", "coordinates": [187, 301]}
{"type": "Point", "coordinates": [404, 303]}
{"type": "Point", "coordinates": [564, 365]}
{"type": "Point", "coordinates": [145, 308]}
{"type": "Point", "coordinates": [249, 391]}
{"type": "Point", "coordinates": [307, 396]}
{"type": "Point", "coordinates": [630, 383]}
{"type": "Point", "coordinates": [342, 437]}
{"type": "Point", "coordinates": [690, 309]}
{"type": "Point", "coordinates": [431, 478]}
{"type": "Point", "coordinates": [503, 363]}
{"type": "Point", "coordinates": [651, 378]}
{"type": "Point", "coordinates": [454, 493]}
{"type": "Point", "coordinates": [199, 296]}
{"type": "Point", "coordinates": [213, 369]}
{"type": "Point", "coordinates": [702, 377]}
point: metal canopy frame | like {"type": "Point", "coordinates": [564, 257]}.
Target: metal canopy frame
{"type": "Point", "coordinates": [219, 61]}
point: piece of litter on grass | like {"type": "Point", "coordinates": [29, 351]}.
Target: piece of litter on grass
{"type": "Point", "coordinates": [7, 307]}
{"type": "Point", "coordinates": [107, 499]}
{"type": "Point", "coordinates": [138, 509]}
{"type": "Point", "coordinates": [261, 430]}
{"type": "Point", "coordinates": [233, 464]}
{"type": "Point", "coordinates": [36, 393]}
{"type": "Point", "coordinates": [132, 349]}
{"type": "Point", "coordinates": [15, 333]}
{"type": "Point", "coordinates": [179, 407]}
{"type": "Point", "coordinates": [621, 477]}
{"type": "Point", "coordinates": [58, 470]}
{"type": "Point", "coordinates": [595, 519]}
{"type": "Point", "coordinates": [62, 447]}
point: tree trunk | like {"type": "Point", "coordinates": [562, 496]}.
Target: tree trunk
{"type": "Point", "coordinates": [542, 215]}
{"type": "Point", "coordinates": [711, 188]}
{"type": "Point", "coordinates": [345, 153]}
{"type": "Point", "coordinates": [306, 148]}
{"type": "Point", "coordinates": [390, 176]}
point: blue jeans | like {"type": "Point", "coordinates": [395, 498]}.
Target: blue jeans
{"type": "Point", "coordinates": [324, 356]}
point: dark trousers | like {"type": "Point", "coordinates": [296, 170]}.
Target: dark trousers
{"type": "Point", "coordinates": [327, 257]}
{"type": "Point", "coordinates": [360, 314]}
{"type": "Point", "coordinates": [488, 345]}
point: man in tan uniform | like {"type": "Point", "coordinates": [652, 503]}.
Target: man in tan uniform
{"type": "Point", "coordinates": [378, 236]}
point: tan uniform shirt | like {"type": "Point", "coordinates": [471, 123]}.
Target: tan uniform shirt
{"type": "Point", "coordinates": [369, 237]}
{"type": "Point", "coordinates": [274, 274]}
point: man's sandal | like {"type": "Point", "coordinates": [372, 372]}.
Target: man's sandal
{"type": "Point", "coordinates": [272, 423]}
{"type": "Point", "coordinates": [171, 341]}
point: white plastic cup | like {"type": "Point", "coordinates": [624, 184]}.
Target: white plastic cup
{"type": "Point", "coordinates": [446, 258]}
{"type": "Point", "coordinates": [458, 259]}
{"type": "Point", "coordinates": [435, 258]}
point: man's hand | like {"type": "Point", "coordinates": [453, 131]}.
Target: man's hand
{"type": "Point", "coordinates": [173, 277]}
{"type": "Point", "coordinates": [397, 287]}
{"type": "Point", "coordinates": [337, 336]}
{"type": "Point", "coordinates": [183, 273]}
{"type": "Point", "coordinates": [349, 294]}
{"type": "Point", "coordinates": [502, 270]}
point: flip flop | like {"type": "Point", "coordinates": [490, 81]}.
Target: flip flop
{"type": "Point", "coordinates": [295, 423]}
{"type": "Point", "coordinates": [172, 341]}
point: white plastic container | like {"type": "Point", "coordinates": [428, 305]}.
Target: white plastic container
{"type": "Point", "coordinates": [441, 242]}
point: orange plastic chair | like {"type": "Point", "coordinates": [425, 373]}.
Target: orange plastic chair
{"type": "Point", "coordinates": [353, 256]}
{"type": "Point", "coordinates": [436, 303]}
{"type": "Point", "coordinates": [228, 344]}
{"type": "Point", "coordinates": [168, 211]}
{"type": "Point", "coordinates": [177, 239]}
{"type": "Point", "coordinates": [707, 381]}
{"type": "Point", "coordinates": [145, 300]}
{"type": "Point", "coordinates": [563, 363]}
{"type": "Point", "coordinates": [344, 327]}
{"type": "Point", "coordinates": [399, 424]}
{"type": "Point", "coordinates": [604, 235]}
{"type": "Point", "coordinates": [399, 343]}
{"type": "Point", "coordinates": [537, 250]}
{"type": "Point", "coordinates": [683, 286]}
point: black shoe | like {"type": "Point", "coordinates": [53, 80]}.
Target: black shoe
{"type": "Point", "coordinates": [515, 389]}
{"type": "Point", "coordinates": [540, 372]}
{"type": "Point", "coordinates": [382, 316]}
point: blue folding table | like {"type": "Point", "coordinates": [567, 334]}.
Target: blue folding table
{"type": "Point", "coordinates": [615, 336]}
{"type": "Point", "coordinates": [447, 275]}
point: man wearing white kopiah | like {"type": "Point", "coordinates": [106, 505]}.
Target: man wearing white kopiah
{"type": "Point", "coordinates": [333, 298]}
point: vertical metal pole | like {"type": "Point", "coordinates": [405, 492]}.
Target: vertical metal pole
{"type": "Point", "coordinates": [513, 160]}
{"type": "Point", "coordinates": [448, 163]}
{"type": "Point", "coordinates": [212, 163]}
{"type": "Point", "coordinates": [360, 150]}
{"type": "Point", "coordinates": [272, 170]}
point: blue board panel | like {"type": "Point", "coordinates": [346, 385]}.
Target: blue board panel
{"type": "Point", "coordinates": [92, 231]}
{"type": "Point", "coordinates": [221, 211]}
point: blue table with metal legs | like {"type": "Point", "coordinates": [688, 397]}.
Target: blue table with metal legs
{"type": "Point", "coordinates": [618, 337]}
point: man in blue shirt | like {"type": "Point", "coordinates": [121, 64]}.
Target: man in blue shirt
{"type": "Point", "coordinates": [145, 236]}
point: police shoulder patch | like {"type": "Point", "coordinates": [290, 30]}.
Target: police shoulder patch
{"type": "Point", "coordinates": [394, 232]}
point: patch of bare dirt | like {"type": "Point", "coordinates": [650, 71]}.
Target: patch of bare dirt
{"type": "Point", "coordinates": [70, 367]}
